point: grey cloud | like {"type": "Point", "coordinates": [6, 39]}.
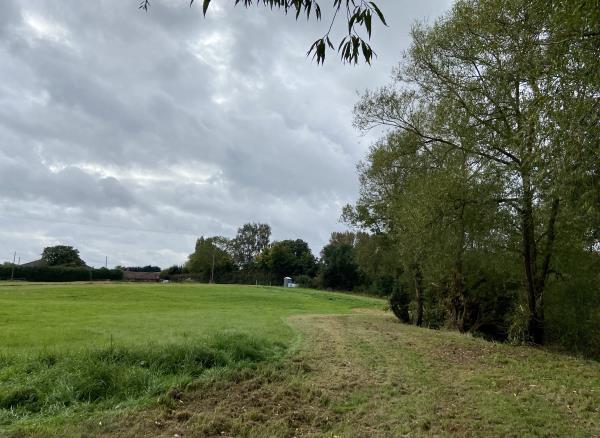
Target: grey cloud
{"type": "Point", "coordinates": [129, 134]}
{"type": "Point", "coordinates": [69, 187]}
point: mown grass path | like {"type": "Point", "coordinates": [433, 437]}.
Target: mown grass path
{"type": "Point", "coordinates": [365, 375]}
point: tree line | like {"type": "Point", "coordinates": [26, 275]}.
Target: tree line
{"type": "Point", "coordinates": [346, 263]}
{"type": "Point", "coordinates": [486, 184]}
{"type": "Point", "coordinates": [249, 257]}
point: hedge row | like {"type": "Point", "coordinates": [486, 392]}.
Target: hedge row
{"type": "Point", "coordinates": [235, 277]}
{"type": "Point", "coordinates": [56, 273]}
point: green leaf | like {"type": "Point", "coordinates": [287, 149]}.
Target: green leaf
{"type": "Point", "coordinates": [378, 12]}
{"type": "Point", "coordinates": [330, 44]}
{"type": "Point", "coordinates": [352, 20]}
{"type": "Point", "coordinates": [367, 52]}
{"type": "Point", "coordinates": [204, 6]}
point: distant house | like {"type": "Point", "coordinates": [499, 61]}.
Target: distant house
{"type": "Point", "coordinates": [41, 264]}
{"type": "Point", "coordinates": [34, 264]}
{"type": "Point", "coordinates": [141, 276]}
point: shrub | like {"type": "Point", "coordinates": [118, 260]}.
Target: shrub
{"type": "Point", "coordinates": [399, 302]}
{"type": "Point", "coordinates": [305, 281]}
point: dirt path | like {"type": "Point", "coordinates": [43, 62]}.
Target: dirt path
{"type": "Point", "coordinates": [365, 375]}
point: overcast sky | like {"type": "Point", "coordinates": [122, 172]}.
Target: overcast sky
{"type": "Point", "coordinates": [129, 134]}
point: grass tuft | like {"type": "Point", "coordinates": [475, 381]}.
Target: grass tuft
{"type": "Point", "coordinates": [35, 387]}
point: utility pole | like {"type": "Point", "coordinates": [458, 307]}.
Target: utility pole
{"type": "Point", "coordinates": [12, 274]}
{"type": "Point", "coordinates": [106, 262]}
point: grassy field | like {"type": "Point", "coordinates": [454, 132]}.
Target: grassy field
{"type": "Point", "coordinates": [353, 369]}
{"type": "Point", "coordinates": [62, 317]}
{"type": "Point", "coordinates": [68, 350]}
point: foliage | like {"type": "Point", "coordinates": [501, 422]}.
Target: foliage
{"type": "Point", "coordinates": [399, 301]}
{"type": "Point", "coordinates": [493, 116]}
{"type": "Point", "coordinates": [61, 255]}
{"type": "Point", "coordinates": [248, 258]}
{"type": "Point", "coordinates": [171, 271]}
{"type": "Point", "coordinates": [251, 239]}
{"type": "Point", "coordinates": [236, 276]}
{"type": "Point", "coordinates": [338, 267]}
{"type": "Point", "coordinates": [359, 261]}
{"type": "Point", "coordinates": [288, 258]}
{"type": "Point", "coordinates": [209, 257]}
{"type": "Point", "coordinates": [353, 45]}
{"type": "Point", "coordinates": [305, 281]}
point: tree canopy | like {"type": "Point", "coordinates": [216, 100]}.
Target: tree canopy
{"type": "Point", "coordinates": [209, 258]}
{"type": "Point", "coordinates": [251, 239]}
{"type": "Point", "coordinates": [288, 258]}
{"type": "Point", "coordinates": [491, 158]}
{"type": "Point", "coordinates": [62, 255]}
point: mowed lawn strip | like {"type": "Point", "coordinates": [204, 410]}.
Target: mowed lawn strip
{"type": "Point", "coordinates": [367, 375]}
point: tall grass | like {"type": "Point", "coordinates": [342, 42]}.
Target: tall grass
{"type": "Point", "coordinates": [46, 385]}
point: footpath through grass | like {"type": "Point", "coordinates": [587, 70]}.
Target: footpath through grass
{"type": "Point", "coordinates": [366, 375]}
{"type": "Point", "coordinates": [68, 351]}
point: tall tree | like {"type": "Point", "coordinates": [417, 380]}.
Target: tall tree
{"type": "Point", "coordinates": [339, 269]}
{"type": "Point", "coordinates": [431, 225]}
{"type": "Point", "coordinates": [251, 239]}
{"type": "Point", "coordinates": [62, 255]}
{"type": "Point", "coordinates": [210, 258]}
{"type": "Point", "coordinates": [483, 81]}
{"type": "Point", "coordinates": [288, 258]}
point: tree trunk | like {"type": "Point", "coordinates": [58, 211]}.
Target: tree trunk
{"type": "Point", "coordinates": [548, 251]}
{"type": "Point", "coordinates": [458, 288]}
{"type": "Point", "coordinates": [399, 300]}
{"type": "Point", "coordinates": [535, 323]}
{"type": "Point", "coordinates": [418, 294]}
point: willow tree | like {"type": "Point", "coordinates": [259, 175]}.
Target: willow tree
{"type": "Point", "coordinates": [358, 18]}
{"type": "Point", "coordinates": [438, 210]}
{"type": "Point", "coordinates": [505, 84]}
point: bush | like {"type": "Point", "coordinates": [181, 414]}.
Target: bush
{"type": "Point", "coordinates": [235, 277]}
{"type": "Point", "coordinates": [572, 313]}
{"type": "Point", "coordinates": [399, 302]}
{"type": "Point", "coordinates": [305, 281]}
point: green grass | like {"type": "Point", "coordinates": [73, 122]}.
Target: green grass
{"type": "Point", "coordinates": [56, 318]}
{"type": "Point", "coordinates": [68, 350]}
{"type": "Point", "coordinates": [228, 348]}
{"type": "Point", "coordinates": [365, 374]}
{"type": "Point", "coordinates": [45, 386]}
